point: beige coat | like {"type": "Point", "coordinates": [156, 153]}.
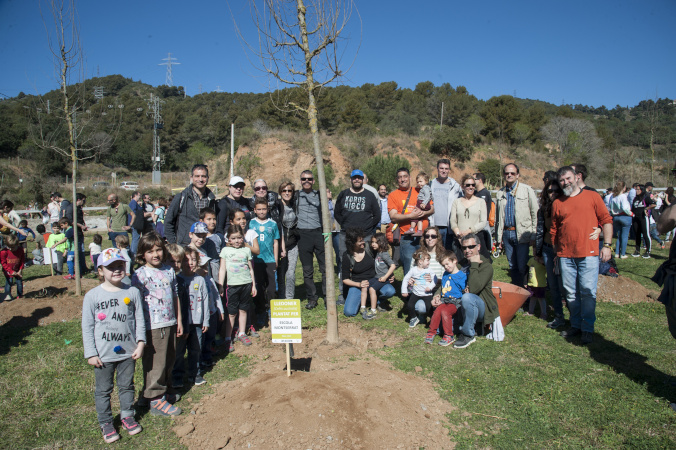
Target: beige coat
{"type": "Point", "coordinates": [525, 212]}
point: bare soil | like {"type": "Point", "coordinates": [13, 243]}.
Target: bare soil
{"type": "Point", "coordinates": [338, 396]}
{"type": "Point", "coordinates": [623, 290]}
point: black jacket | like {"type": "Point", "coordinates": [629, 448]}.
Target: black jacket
{"type": "Point", "coordinates": [182, 213]}
{"type": "Point", "coordinates": [225, 205]}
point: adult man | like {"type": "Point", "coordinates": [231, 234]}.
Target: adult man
{"type": "Point", "coordinates": [479, 304]}
{"type": "Point", "coordinates": [117, 218]}
{"type": "Point", "coordinates": [54, 207]}
{"type": "Point", "coordinates": [445, 191]}
{"type": "Point", "coordinates": [482, 192]}
{"type": "Point", "coordinates": [402, 206]}
{"type": "Point", "coordinates": [80, 200]}
{"type": "Point", "coordinates": [307, 205]}
{"type": "Point", "coordinates": [184, 209]}
{"type": "Point", "coordinates": [649, 188]}
{"type": "Point", "coordinates": [516, 218]}
{"type": "Point", "coordinates": [575, 214]}
{"type": "Point", "coordinates": [148, 209]}
{"type": "Point", "coordinates": [233, 200]}
{"type": "Point", "coordinates": [581, 176]}
{"type": "Point", "coordinates": [138, 222]}
{"type": "Point", "coordinates": [384, 214]}
{"type": "Point", "coordinates": [632, 193]}
{"type": "Point", "coordinates": [368, 187]}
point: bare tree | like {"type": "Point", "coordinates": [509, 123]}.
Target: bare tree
{"type": "Point", "coordinates": [67, 127]}
{"type": "Point", "coordinates": [299, 43]}
{"type": "Point", "coordinates": [575, 138]}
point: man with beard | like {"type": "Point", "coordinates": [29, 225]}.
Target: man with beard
{"type": "Point", "coordinates": [574, 217]}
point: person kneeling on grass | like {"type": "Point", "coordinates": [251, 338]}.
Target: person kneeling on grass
{"type": "Point", "coordinates": [452, 286]}
{"type": "Point", "coordinates": [479, 303]}
{"type": "Point", "coordinates": [114, 335]}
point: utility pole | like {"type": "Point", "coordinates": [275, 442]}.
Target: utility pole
{"type": "Point", "coordinates": [169, 62]}
{"type": "Point", "coordinates": [441, 124]}
{"type": "Point", "coordinates": [232, 150]}
{"type": "Point", "coordinates": [154, 106]}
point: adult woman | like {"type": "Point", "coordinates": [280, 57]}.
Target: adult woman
{"type": "Point", "coordinates": [669, 199]}
{"type": "Point", "coordinates": [544, 250]}
{"type": "Point", "coordinates": [469, 215]}
{"type": "Point", "coordinates": [286, 270]}
{"type": "Point", "coordinates": [358, 266]}
{"type": "Point", "coordinates": [620, 209]}
{"type": "Point", "coordinates": [641, 207]}
{"type": "Point", "coordinates": [431, 242]}
{"type": "Point", "coordinates": [159, 213]}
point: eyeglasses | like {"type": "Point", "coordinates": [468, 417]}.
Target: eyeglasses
{"type": "Point", "coordinates": [287, 190]}
{"type": "Point", "coordinates": [261, 188]}
{"type": "Point", "coordinates": [431, 236]}
{"type": "Point", "coordinates": [465, 247]}
{"type": "Point", "coordinates": [306, 179]}
{"type": "Point", "coordinates": [510, 173]}
{"type": "Point", "coordinates": [470, 185]}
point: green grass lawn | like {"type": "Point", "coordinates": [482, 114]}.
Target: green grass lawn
{"type": "Point", "coordinates": [533, 390]}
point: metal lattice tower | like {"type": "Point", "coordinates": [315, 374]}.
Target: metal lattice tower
{"type": "Point", "coordinates": [98, 92]}
{"type": "Point", "coordinates": [169, 62]}
{"type": "Point", "coordinates": [154, 106]}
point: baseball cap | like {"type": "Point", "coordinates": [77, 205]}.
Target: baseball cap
{"type": "Point", "coordinates": [109, 256]}
{"type": "Point", "coordinates": [236, 180]}
{"type": "Point", "coordinates": [199, 227]}
{"type": "Point", "coordinates": [357, 173]}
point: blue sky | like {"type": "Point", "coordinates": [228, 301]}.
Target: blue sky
{"type": "Point", "coordinates": [593, 52]}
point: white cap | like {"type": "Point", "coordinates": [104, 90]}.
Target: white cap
{"type": "Point", "coordinates": [235, 180]}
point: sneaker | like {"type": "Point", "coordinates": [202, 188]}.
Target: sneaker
{"type": "Point", "coordinates": [624, 256]}
{"type": "Point", "coordinates": [429, 339]}
{"type": "Point", "coordinates": [162, 407]}
{"type": "Point", "coordinates": [231, 346]}
{"type": "Point", "coordinates": [131, 425]}
{"type": "Point", "coordinates": [662, 246]}
{"type": "Point", "coordinates": [8, 298]}
{"type": "Point", "coordinates": [381, 309]}
{"type": "Point", "coordinates": [617, 255]}
{"type": "Point", "coordinates": [636, 254]}
{"type": "Point", "coordinates": [366, 314]}
{"type": "Point", "coordinates": [571, 332]}
{"type": "Point", "coordinates": [199, 380]}
{"type": "Point", "coordinates": [447, 340]}
{"type": "Point", "coordinates": [70, 277]}
{"type": "Point", "coordinates": [311, 305]}
{"type": "Point", "coordinates": [244, 339]}
{"type": "Point", "coordinates": [587, 337]}
{"type": "Point", "coordinates": [557, 322]}
{"type": "Point", "coordinates": [464, 341]}
{"type": "Point", "coordinates": [109, 433]}
{"type": "Point", "coordinates": [646, 255]}
{"type": "Point", "coordinates": [253, 333]}
{"type": "Point", "coordinates": [415, 321]}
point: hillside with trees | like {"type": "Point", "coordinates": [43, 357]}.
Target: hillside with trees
{"type": "Point", "coordinates": [384, 120]}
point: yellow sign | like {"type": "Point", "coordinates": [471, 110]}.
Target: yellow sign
{"type": "Point", "coordinates": [285, 321]}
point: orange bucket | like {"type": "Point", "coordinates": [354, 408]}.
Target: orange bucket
{"type": "Point", "coordinates": [510, 298]}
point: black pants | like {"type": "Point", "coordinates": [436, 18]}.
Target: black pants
{"type": "Point", "coordinates": [639, 223]}
{"type": "Point", "coordinates": [413, 299]}
{"type": "Point", "coordinates": [310, 243]}
{"type": "Point", "coordinates": [265, 285]}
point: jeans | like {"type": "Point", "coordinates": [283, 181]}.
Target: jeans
{"type": "Point", "coordinates": [580, 277]}
{"type": "Point", "coordinates": [474, 309]}
{"type": "Point", "coordinates": [553, 281]}
{"type": "Point", "coordinates": [517, 257]}
{"type": "Point", "coordinates": [135, 236]}
{"type": "Point", "coordinates": [311, 242]}
{"type": "Point", "coordinates": [407, 247]}
{"type": "Point", "coordinates": [9, 281]}
{"type": "Point", "coordinates": [70, 261]}
{"type": "Point", "coordinates": [104, 377]}
{"type": "Point", "coordinates": [193, 343]}
{"type": "Point", "coordinates": [353, 298]}
{"type": "Point", "coordinates": [622, 224]}
{"type": "Point", "coordinates": [286, 275]}
{"type": "Point", "coordinates": [654, 234]}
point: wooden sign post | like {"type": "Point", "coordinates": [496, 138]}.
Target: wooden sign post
{"type": "Point", "coordinates": [285, 325]}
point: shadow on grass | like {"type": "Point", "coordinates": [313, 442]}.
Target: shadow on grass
{"type": "Point", "coordinates": [14, 332]}
{"type": "Point", "coordinates": [633, 365]}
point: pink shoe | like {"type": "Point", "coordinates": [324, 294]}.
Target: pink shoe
{"type": "Point", "coordinates": [69, 277]}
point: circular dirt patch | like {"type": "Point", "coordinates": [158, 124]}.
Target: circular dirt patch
{"type": "Point", "coordinates": [623, 290]}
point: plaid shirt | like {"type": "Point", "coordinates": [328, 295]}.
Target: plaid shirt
{"type": "Point", "coordinates": [200, 202]}
{"type": "Point", "coordinates": [510, 220]}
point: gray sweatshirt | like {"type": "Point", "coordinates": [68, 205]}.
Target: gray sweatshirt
{"type": "Point", "coordinates": [199, 299]}
{"type": "Point", "coordinates": [112, 323]}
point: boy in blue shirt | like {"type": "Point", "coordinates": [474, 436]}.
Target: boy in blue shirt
{"type": "Point", "coordinates": [453, 284]}
{"type": "Point", "coordinates": [265, 264]}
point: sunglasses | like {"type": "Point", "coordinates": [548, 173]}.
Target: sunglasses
{"type": "Point", "coordinates": [238, 186]}
{"type": "Point", "coordinates": [287, 190]}
{"type": "Point", "coordinates": [431, 236]}
{"type": "Point", "coordinates": [510, 173]}
{"type": "Point", "coordinates": [306, 179]}
{"type": "Point", "coordinates": [553, 191]}
{"type": "Point", "coordinates": [470, 185]}
{"type": "Point", "coordinates": [261, 188]}
{"type": "Point", "coordinates": [465, 247]}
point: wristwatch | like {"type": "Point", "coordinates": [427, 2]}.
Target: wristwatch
{"type": "Point", "coordinates": [608, 245]}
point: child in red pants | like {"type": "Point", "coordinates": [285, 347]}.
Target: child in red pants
{"type": "Point", "coordinates": [453, 284]}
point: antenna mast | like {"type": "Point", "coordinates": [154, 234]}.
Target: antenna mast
{"type": "Point", "coordinates": [169, 62]}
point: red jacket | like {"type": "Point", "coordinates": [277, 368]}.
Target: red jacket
{"type": "Point", "coordinates": [12, 261]}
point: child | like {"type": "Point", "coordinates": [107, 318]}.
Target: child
{"type": "Point", "coordinates": [241, 287]}
{"type": "Point", "coordinates": [38, 255]}
{"type": "Point", "coordinates": [385, 267]}
{"type": "Point", "coordinates": [453, 283]}
{"type": "Point", "coordinates": [216, 314]}
{"type": "Point", "coordinates": [424, 202]}
{"type": "Point", "coordinates": [12, 259]}
{"type": "Point", "coordinates": [198, 237]}
{"type": "Point", "coordinates": [176, 254]}
{"type": "Point", "coordinates": [23, 225]}
{"type": "Point", "coordinates": [420, 302]}
{"type": "Point", "coordinates": [537, 281]}
{"type": "Point", "coordinates": [113, 334]}
{"type": "Point", "coordinates": [159, 214]}
{"type": "Point", "coordinates": [42, 232]}
{"type": "Point", "coordinates": [57, 242]}
{"type": "Point", "coordinates": [198, 322]}
{"type": "Point", "coordinates": [265, 264]}
{"type": "Point", "coordinates": [161, 307]}
{"type": "Point", "coordinates": [238, 217]}
{"type": "Point", "coordinates": [68, 238]}
{"type": "Point", "coordinates": [122, 242]}
{"type": "Point", "coordinates": [215, 241]}
{"type": "Point", "coordinates": [95, 249]}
